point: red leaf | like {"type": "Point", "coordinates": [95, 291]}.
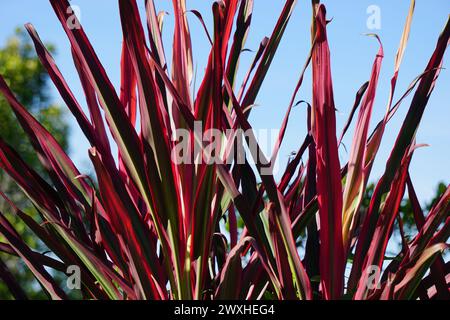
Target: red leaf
{"type": "Point", "coordinates": [329, 188]}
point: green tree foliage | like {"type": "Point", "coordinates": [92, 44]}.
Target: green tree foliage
{"type": "Point", "coordinates": [27, 78]}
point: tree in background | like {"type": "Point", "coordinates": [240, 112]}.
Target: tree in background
{"type": "Point", "coordinates": [28, 79]}
{"type": "Point", "coordinates": [406, 212]}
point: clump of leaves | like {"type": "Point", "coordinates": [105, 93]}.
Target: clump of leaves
{"type": "Point", "coordinates": [148, 228]}
{"type": "Point", "coordinates": [29, 80]}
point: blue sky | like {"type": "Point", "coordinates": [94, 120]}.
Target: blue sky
{"type": "Point", "coordinates": [352, 57]}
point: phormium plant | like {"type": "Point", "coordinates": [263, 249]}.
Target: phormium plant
{"type": "Point", "coordinates": [147, 226]}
